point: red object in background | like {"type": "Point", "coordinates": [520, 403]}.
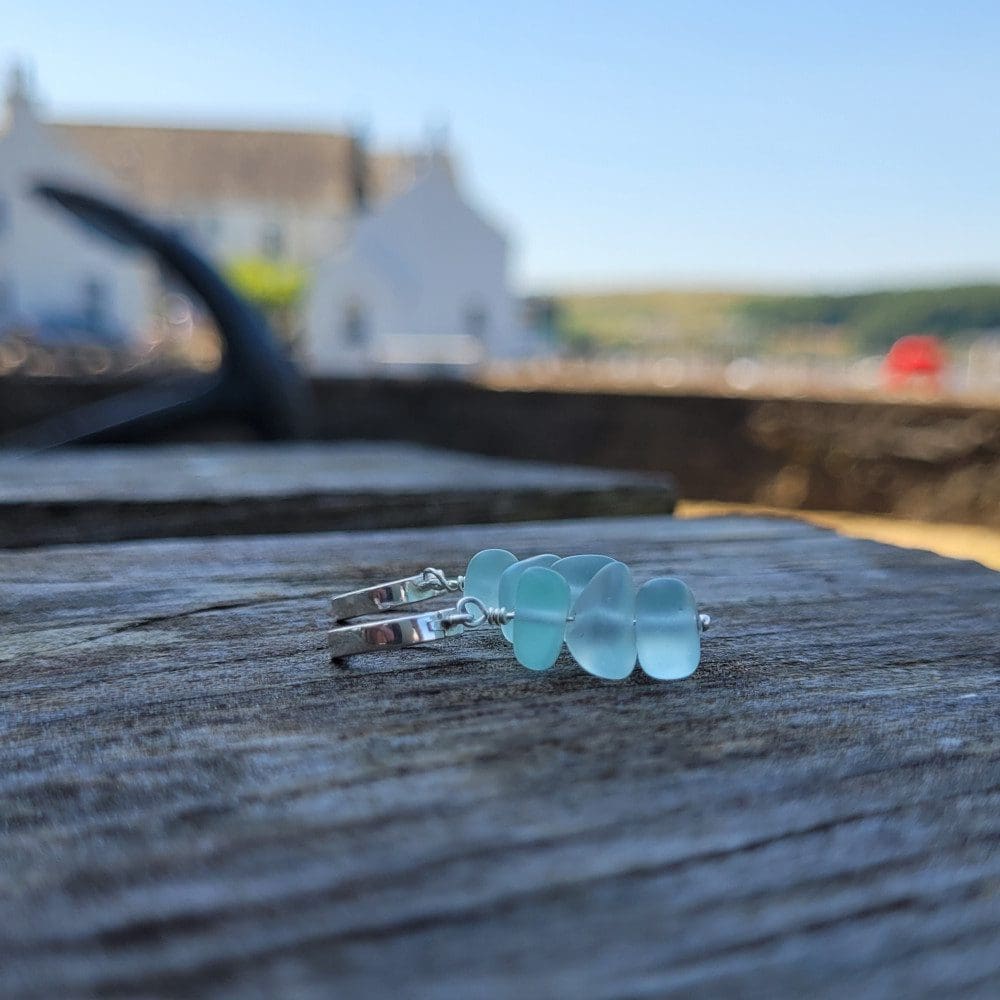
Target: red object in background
{"type": "Point", "coordinates": [916, 356]}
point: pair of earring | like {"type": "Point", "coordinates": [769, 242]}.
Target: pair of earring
{"type": "Point", "coordinates": [587, 601]}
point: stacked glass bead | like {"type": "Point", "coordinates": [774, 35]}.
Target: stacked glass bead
{"type": "Point", "coordinates": [590, 602]}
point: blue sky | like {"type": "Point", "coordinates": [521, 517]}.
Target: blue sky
{"type": "Point", "coordinates": [773, 144]}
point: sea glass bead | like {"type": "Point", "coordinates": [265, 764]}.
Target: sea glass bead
{"type": "Point", "coordinates": [508, 585]}
{"type": "Point", "coordinates": [601, 635]}
{"type": "Point", "coordinates": [666, 629]}
{"type": "Point", "coordinates": [542, 602]}
{"type": "Point", "coordinates": [482, 576]}
{"type": "Point", "coordinates": [579, 571]}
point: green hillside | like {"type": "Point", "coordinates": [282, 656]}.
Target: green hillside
{"type": "Point", "coordinates": [678, 319]}
{"type": "Point", "coordinates": [876, 319]}
{"type": "Point", "coordinates": [635, 319]}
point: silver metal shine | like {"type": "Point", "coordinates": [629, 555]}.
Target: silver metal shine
{"type": "Point", "coordinates": [384, 597]}
{"type": "Point", "coordinates": [392, 633]}
{"type": "Point", "coordinates": [413, 630]}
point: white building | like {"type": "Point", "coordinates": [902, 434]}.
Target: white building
{"type": "Point", "coordinates": [419, 280]}
{"type": "Point", "coordinates": [237, 193]}
{"type": "Point", "coordinates": [403, 269]}
{"type": "Point", "coordinates": [54, 275]}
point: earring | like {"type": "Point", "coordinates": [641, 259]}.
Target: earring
{"type": "Point", "coordinates": [588, 601]}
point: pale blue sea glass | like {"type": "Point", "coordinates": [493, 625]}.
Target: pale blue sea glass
{"type": "Point", "coordinates": [508, 585]}
{"type": "Point", "coordinates": [482, 576]}
{"type": "Point", "coordinates": [579, 571]}
{"type": "Point", "coordinates": [542, 602]}
{"type": "Point", "coordinates": [601, 635]}
{"type": "Point", "coordinates": [666, 629]}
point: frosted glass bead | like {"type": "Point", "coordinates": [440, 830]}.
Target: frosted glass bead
{"type": "Point", "coordinates": [601, 635]}
{"type": "Point", "coordinates": [482, 576]}
{"type": "Point", "coordinates": [578, 571]}
{"type": "Point", "coordinates": [542, 603]}
{"type": "Point", "coordinates": [666, 629]}
{"type": "Point", "coordinates": [508, 585]}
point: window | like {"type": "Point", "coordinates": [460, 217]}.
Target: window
{"type": "Point", "coordinates": [95, 303]}
{"type": "Point", "coordinates": [355, 328]}
{"type": "Point", "coordinates": [476, 322]}
{"type": "Point", "coordinates": [272, 242]}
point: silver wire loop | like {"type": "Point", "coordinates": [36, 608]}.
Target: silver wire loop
{"type": "Point", "coordinates": [484, 615]}
{"type": "Point", "coordinates": [438, 578]}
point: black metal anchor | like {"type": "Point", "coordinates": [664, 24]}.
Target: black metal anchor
{"type": "Point", "coordinates": [256, 382]}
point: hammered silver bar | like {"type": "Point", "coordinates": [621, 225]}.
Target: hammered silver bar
{"type": "Point", "coordinates": [383, 597]}
{"type": "Point", "coordinates": [391, 633]}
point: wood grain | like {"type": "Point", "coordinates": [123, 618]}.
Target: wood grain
{"type": "Point", "coordinates": [110, 494]}
{"type": "Point", "coordinates": [193, 801]}
{"type": "Point", "coordinates": [930, 460]}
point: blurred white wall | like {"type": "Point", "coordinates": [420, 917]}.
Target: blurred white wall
{"type": "Point", "coordinates": [51, 267]}
{"type": "Point", "coordinates": [420, 280]}
{"type": "Point", "coordinates": [233, 229]}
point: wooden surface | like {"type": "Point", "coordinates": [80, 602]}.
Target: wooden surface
{"type": "Point", "coordinates": [109, 494]}
{"type": "Point", "coordinates": [193, 801]}
{"type": "Point", "coordinates": [933, 461]}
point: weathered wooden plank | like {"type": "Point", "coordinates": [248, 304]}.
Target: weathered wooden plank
{"type": "Point", "coordinates": [193, 800]}
{"type": "Point", "coordinates": [110, 494]}
{"type": "Point", "coordinates": [933, 460]}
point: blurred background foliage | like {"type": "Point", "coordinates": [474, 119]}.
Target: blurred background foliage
{"type": "Point", "coordinates": [276, 287]}
{"type": "Point", "coordinates": [876, 319]}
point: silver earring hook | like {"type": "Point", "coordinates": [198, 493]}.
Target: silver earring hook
{"type": "Point", "coordinates": [469, 612]}
{"type": "Point", "coordinates": [428, 583]}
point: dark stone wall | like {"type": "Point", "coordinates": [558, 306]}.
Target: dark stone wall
{"type": "Point", "coordinates": [927, 461]}
{"type": "Point", "coordinates": [914, 460]}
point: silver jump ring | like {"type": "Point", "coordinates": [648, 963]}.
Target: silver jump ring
{"type": "Point", "coordinates": [471, 620]}
{"type": "Point", "coordinates": [486, 616]}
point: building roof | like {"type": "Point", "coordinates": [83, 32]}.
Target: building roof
{"type": "Point", "coordinates": [172, 167]}
{"type": "Point", "coordinates": [393, 171]}
{"type": "Point", "coordinates": [164, 165]}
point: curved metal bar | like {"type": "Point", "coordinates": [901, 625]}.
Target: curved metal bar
{"type": "Point", "coordinates": [256, 383]}
{"type": "Point", "coordinates": [391, 633]}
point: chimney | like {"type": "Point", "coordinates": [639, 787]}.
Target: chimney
{"type": "Point", "coordinates": [358, 172]}
{"type": "Point", "coordinates": [20, 101]}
